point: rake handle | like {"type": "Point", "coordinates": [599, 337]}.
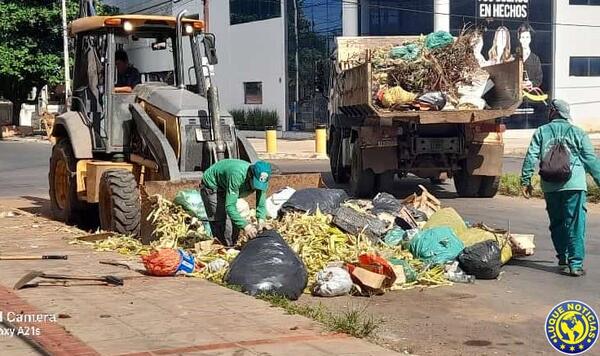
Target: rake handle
{"type": "Point", "coordinates": [32, 258]}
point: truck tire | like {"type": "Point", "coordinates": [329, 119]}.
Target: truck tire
{"type": "Point", "coordinates": [338, 171]}
{"type": "Point", "coordinates": [467, 185]}
{"type": "Point", "coordinates": [489, 186]}
{"type": "Point", "coordinates": [62, 181]}
{"type": "Point", "coordinates": [120, 205]}
{"type": "Point", "coordinates": [362, 181]}
{"type": "Point", "coordinates": [437, 181]}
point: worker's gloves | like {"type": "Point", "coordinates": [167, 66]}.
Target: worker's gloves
{"type": "Point", "coordinates": [527, 191]}
{"type": "Point", "coordinates": [262, 225]}
{"type": "Point", "coordinates": [250, 231]}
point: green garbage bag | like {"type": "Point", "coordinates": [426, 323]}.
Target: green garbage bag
{"type": "Point", "coordinates": [191, 201]}
{"type": "Point", "coordinates": [438, 39]}
{"type": "Point", "coordinates": [394, 236]}
{"type": "Point", "coordinates": [409, 272]}
{"type": "Point", "coordinates": [408, 52]}
{"type": "Point", "coordinates": [446, 217]}
{"type": "Point", "coordinates": [436, 246]}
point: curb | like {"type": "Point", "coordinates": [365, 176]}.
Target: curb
{"type": "Point", "coordinates": [292, 156]}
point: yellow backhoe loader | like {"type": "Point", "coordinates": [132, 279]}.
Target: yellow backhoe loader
{"type": "Point", "coordinates": [119, 144]}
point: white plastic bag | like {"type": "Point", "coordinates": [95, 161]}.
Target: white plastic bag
{"type": "Point", "coordinates": [275, 201]}
{"type": "Point", "coordinates": [332, 282]}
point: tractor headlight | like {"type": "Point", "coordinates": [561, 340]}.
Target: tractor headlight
{"type": "Point", "coordinates": [189, 29]}
{"type": "Point", "coordinates": [128, 26]}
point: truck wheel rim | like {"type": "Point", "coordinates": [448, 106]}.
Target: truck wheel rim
{"type": "Point", "coordinates": [61, 183]}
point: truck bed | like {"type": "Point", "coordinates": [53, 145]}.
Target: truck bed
{"type": "Point", "coordinates": [353, 88]}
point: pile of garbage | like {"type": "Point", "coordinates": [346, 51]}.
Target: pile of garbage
{"type": "Point", "coordinates": [434, 72]}
{"type": "Point", "coordinates": [324, 243]}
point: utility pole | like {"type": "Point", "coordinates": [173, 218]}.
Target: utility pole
{"type": "Point", "coordinates": [297, 60]}
{"type": "Point", "coordinates": [66, 55]}
{"type": "Point", "coordinates": [206, 15]}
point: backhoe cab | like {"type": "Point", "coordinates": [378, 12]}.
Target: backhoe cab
{"type": "Point", "coordinates": [119, 138]}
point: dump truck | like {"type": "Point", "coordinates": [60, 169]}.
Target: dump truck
{"type": "Point", "coordinates": [368, 145]}
{"type": "Point", "coordinates": [117, 145]}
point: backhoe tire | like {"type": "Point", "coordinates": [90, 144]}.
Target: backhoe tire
{"type": "Point", "coordinates": [120, 204]}
{"type": "Point", "coordinates": [362, 181]}
{"type": "Point", "coordinates": [338, 171]}
{"type": "Point", "coordinates": [62, 181]}
{"type": "Point", "coordinates": [467, 185]}
{"type": "Point", "coordinates": [489, 186]}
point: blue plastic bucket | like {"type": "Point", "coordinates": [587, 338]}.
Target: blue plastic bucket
{"type": "Point", "coordinates": [187, 263]}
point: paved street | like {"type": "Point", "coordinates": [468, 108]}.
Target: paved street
{"type": "Point", "coordinates": [490, 317]}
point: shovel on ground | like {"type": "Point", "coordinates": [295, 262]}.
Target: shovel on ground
{"type": "Point", "coordinates": [65, 280]}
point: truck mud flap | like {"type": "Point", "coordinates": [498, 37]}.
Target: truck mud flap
{"type": "Point", "coordinates": [485, 159]}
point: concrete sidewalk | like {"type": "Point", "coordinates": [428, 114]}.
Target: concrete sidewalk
{"type": "Point", "coordinates": [148, 315]}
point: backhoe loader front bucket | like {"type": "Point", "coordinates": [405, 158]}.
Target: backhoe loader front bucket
{"type": "Point", "coordinates": [168, 190]}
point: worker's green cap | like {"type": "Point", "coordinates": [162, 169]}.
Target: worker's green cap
{"type": "Point", "coordinates": [562, 108]}
{"type": "Point", "coordinates": [261, 173]}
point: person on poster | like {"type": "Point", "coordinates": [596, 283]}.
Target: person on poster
{"type": "Point", "coordinates": [477, 44]}
{"type": "Point", "coordinates": [500, 51]}
{"type": "Point", "coordinates": [531, 62]}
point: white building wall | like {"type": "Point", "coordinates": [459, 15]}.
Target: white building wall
{"type": "Point", "coordinates": [583, 93]}
{"type": "Point", "coordinates": [250, 52]}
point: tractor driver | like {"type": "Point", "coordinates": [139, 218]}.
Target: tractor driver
{"type": "Point", "coordinates": [222, 184]}
{"type": "Point", "coordinates": [127, 75]}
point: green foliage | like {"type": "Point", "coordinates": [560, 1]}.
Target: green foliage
{"type": "Point", "coordinates": [510, 184]}
{"type": "Point", "coordinates": [239, 116]}
{"type": "Point", "coordinates": [31, 44]}
{"type": "Point", "coordinates": [353, 321]}
{"type": "Point", "coordinates": [255, 118]}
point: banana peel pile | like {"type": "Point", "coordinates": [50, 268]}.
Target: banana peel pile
{"type": "Point", "coordinates": [319, 244]}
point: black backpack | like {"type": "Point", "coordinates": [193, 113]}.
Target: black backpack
{"type": "Point", "coordinates": [555, 166]}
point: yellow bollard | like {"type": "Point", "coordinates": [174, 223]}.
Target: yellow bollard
{"type": "Point", "coordinates": [321, 140]}
{"type": "Point", "coordinates": [271, 138]}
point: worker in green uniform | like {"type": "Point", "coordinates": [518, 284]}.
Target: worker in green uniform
{"type": "Point", "coordinates": [565, 202]}
{"type": "Point", "coordinates": [223, 184]}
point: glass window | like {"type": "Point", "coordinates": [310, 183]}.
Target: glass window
{"type": "Point", "coordinates": [584, 67]}
{"type": "Point", "coordinates": [595, 67]}
{"type": "Point", "coordinates": [400, 17]}
{"type": "Point", "coordinates": [585, 2]}
{"type": "Point", "coordinates": [253, 93]}
{"type": "Point", "coordinates": [242, 11]}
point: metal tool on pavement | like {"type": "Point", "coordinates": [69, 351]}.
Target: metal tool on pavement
{"type": "Point", "coordinates": [64, 279]}
{"type": "Point", "coordinates": [34, 258]}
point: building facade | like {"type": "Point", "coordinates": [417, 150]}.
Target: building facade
{"type": "Point", "coordinates": [273, 54]}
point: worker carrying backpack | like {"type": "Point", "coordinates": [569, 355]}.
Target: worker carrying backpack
{"type": "Point", "coordinates": [555, 165]}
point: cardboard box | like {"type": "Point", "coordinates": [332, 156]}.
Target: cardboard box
{"type": "Point", "coordinates": [369, 279]}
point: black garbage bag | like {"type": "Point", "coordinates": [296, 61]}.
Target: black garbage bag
{"type": "Point", "coordinates": [268, 265]}
{"type": "Point", "coordinates": [354, 222]}
{"type": "Point", "coordinates": [385, 202]}
{"type": "Point", "coordinates": [481, 260]}
{"type": "Point", "coordinates": [436, 99]}
{"type": "Point", "coordinates": [417, 214]}
{"type": "Point", "coordinates": [308, 200]}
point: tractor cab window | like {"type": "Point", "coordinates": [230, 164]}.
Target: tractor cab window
{"type": "Point", "coordinates": [142, 59]}
{"type": "Point", "coordinates": [88, 78]}
{"type": "Point", "coordinates": [149, 56]}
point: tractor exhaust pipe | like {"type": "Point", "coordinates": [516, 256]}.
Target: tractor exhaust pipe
{"type": "Point", "coordinates": [215, 115]}
{"type": "Point", "coordinates": [180, 65]}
